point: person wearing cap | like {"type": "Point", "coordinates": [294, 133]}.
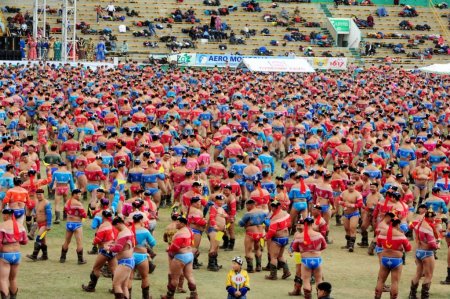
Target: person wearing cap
{"type": "Point", "coordinates": [238, 281]}
{"type": "Point", "coordinates": [104, 236]}
{"type": "Point", "coordinates": [277, 238]}
{"type": "Point", "coordinates": [438, 205]}
{"type": "Point", "coordinates": [330, 145]}
{"type": "Point", "coordinates": [12, 235]}
{"type": "Point", "coordinates": [18, 199]}
{"type": "Point", "coordinates": [351, 202]}
{"type": "Point", "coordinates": [181, 259]}
{"type": "Point", "coordinates": [144, 240]}
{"type": "Point", "coordinates": [405, 155]}
{"type": "Point", "coordinates": [75, 214]}
{"type": "Point", "coordinates": [62, 182]}
{"type": "Point", "coordinates": [253, 221]}
{"type": "Point", "coordinates": [43, 220]}
{"type": "Point", "coordinates": [324, 290]}
{"type": "Point", "coordinates": [216, 225]}
{"type": "Point", "coordinates": [393, 243]}
{"type": "Point", "coordinates": [122, 247]}
{"type": "Point", "coordinates": [427, 242]}
{"type": "Point", "coordinates": [197, 223]}
{"type": "Point", "coordinates": [319, 225]}
{"type": "Point", "coordinates": [367, 212]}
{"type": "Point", "coordinates": [282, 196]}
{"type": "Point", "coordinates": [309, 244]}
{"type": "Point", "coordinates": [238, 169]}
{"type": "Point", "coordinates": [178, 175]}
{"type": "Point", "coordinates": [324, 196]}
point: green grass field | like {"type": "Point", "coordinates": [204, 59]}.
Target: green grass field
{"type": "Point", "coordinates": [353, 275]}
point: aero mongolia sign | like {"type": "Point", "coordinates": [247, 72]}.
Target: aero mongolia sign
{"type": "Point", "coordinates": [340, 25]}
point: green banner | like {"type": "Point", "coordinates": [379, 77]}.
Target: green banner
{"type": "Point", "coordinates": [340, 25]}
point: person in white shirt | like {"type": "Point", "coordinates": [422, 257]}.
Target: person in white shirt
{"type": "Point", "coordinates": [110, 9]}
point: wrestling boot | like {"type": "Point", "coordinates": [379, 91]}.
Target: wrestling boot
{"type": "Point", "coordinates": [81, 260]}
{"type": "Point", "coordinates": [327, 239]}
{"type": "Point", "coordinates": [230, 245]}
{"type": "Point", "coordinates": [170, 292]}
{"type": "Point", "coordinates": [413, 291]}
{"type": "Point", "coordinates": [119, 296]}
{"type": "Point", "coordinates": [258, 264]}
{"type": "Point", "coordinates": [249, 265]}
{"type": "Point", "coordinates": [371, 249]}
{"type": "Point", "coordinates": [226, 241]}
{"type": "Point", "coordinates": [57, 218]}
{"type": "Point", "coordinates": [196, 264]}
{"type": "Point", "coordinates": [32, 231]}
{"type": "Point", "coordinates": [4, 296]}
{"type": "Point", "coordinates": [425, 292]}
{"type": "Point", "coordinates": [351, 244]}
{"type": "Point", "coordinates": [307, 293]}
{"type": "Point", "coordinates": [273, 273]}
{"type": "Point", "coordinates": [212, 262]}
{"type": "Point", "coordinates": [129, 293]}
{"type": "Point", "coordinates": [364, 240]}
{"type": "Point", "coordinates": [447, 279]}
{"type": "Point", "coordinates": [44, 256]}
{"type": "Point", "coordinates": [297, 287]}
{"type": "Point", "coordinates": [286, 272]}
{"type": "Point", "coordinates": [62, 259]}
{"type": "Point", "coordinates": [34, 255]}
{"type": "Point", "coordinates": [162, 203]}
{"type": "Point", "coordinates": [13, 296]}
{"type": "Point", "coordinates": [347, 237]}
{"type": "Point", "coordinates": [169, 200]}
{"type": "Point", "coordinates": [90, 287]}
{"type": "Point", "coordinates": [93, 251]}
{"type": "Point", "coordinates": [394, 296]}
{"type": "Point", "coordinates": [338, 220]}
{"type": "Point", "coordinates": [193, 289]}
{"type": "Point", "coordinates": [146, 293]}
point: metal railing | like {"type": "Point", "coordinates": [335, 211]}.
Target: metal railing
{"type": "Point", "coordinates": [443, 25]}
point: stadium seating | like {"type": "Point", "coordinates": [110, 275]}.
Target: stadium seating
{"type": "Point", "coordinates": [310, 12]}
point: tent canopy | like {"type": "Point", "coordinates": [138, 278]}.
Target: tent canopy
{"type": "Point", "coordinates": [437, 69]}
{"type": "Point", "coordinates": [277, 65]}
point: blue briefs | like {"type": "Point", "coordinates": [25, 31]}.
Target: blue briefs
{"type": "Point", "coordinates": [152, 191]}
{"type": "Point", "coordinates": [127, 262]}
{"type": "Point", "coordinates": [19, 213]}
{"type": "Point", "coordinates": [378, 250]}
{"type": "Point", "coordinates": [282, 241]}
{"type": "Point", "coordinates": [349, 216]}
{"type": "Point", "coordinates": [325, 208]}
{"type": "Point", "coordinates": [92, 187]}
{"type": "Point", "coordinates": [403, 164]}
{"type": "Point", "coordinates": [12, 258]}
{"type": "Point", "coordinates": [423, 254]}
{"type": "Point", "coordinates": [73, 226]}
{"type": "Point", "coordinates": [139, 258]}
{"type": "Point", "coordinates": [391, 262]}
{"type": "Point", "coordinates": [185, 258]}
{"type": "Point", "coordinates": [312, 262]}
{"type": "Point", "coordinates": [300, 206]}
{"type": "Point", "coordinates": [196, 231]}
{"type": "Point", "coordinates": [106, 253]}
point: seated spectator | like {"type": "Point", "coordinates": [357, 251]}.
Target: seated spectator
{"type": "Point", "coordinates": [19, 18]}
{"type": "Point", "coordinates": [366, 3]}
{"type": "Point", "coordinates": [309, 52]}
{"type": "Point", "coordinates": [284, 13]}
{"type": "Point", "coordinates": [382, 12]}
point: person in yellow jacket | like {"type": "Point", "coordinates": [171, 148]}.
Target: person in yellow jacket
{"type": "Point", "coordinates": [238, 282]}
